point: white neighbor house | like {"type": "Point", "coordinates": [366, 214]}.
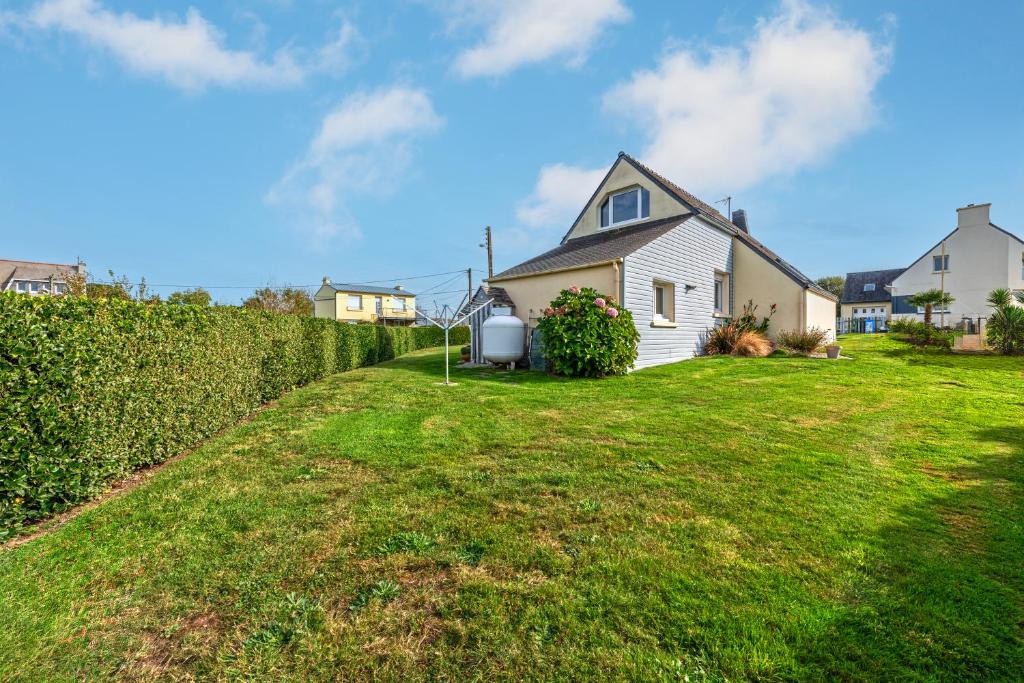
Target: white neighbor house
{"type": "Point", "coordinates": [968, 263]}
{"type": "Point", "coordinates": [675, 262]}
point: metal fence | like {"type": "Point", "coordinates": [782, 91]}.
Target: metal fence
{"type": "Point", "coordinates": [861, 325]}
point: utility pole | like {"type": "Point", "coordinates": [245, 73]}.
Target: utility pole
{"type": "Point", "coordinates": [942, 286]}
{"type": "Point", "coordinates": [489, 244]}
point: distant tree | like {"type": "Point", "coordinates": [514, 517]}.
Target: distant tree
{"type": "Point", "coordinates": [928, 300]}
{"type": "Point", "coordinates": [118, 288]}
{"type": "Point", "coordinates": [195, 297]}
{"type": "Point", "coordinates": [287, 300]}
{"type": "Point", "coordinates": [833, 284]}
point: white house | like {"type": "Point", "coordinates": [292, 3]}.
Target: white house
{"type": "Point", "coordinates": [968, 263]}
{"type": "Point", "coordinates": [35, 278]}
{"type": "Point", "coordinates": [675, 262]}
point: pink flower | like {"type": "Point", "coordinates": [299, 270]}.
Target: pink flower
{"type": "Point", "coordinates": [612, 312]}
{"type": "Point", "coordinates": [549, 311]}
{"type": "Point", "coordinates": [599, 302]}
{"type": "Point", "coordinates": [574, 290]}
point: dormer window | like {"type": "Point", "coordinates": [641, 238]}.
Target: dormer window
{"type": "Point", "coordinates": [626, 206]}
{"type": "Point", "coordinates": [869, 287]}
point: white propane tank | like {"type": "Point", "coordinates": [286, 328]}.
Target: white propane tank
{"type": "Point", "coordinates": [503, 338]}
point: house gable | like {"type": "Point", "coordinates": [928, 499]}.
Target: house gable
{"type": "Point", "coordinates": [623, 175]}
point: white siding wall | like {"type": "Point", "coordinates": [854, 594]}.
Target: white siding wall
{"type": "Point", "coordinates": [687, 255]}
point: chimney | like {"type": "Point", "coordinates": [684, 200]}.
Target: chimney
{"type": "Point", "coordinates": [400, 287]}
{"type": "Point", "coordinates": [739, 219]}
{"type": "Point", "coordinates": [972, 215]}
{"type": "Point", "coordinates": [327, 280]}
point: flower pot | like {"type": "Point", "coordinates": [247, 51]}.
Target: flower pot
{"type": "Point", "coordinates": [832, 351]}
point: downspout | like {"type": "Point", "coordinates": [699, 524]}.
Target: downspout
{"type": "Point", "coordinates": [620, 285]}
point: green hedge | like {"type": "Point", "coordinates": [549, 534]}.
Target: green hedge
{"type": "Point", "coordinates": [92, 390]}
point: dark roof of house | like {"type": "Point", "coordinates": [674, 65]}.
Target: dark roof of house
{"type": "Point", "coordinates": [853, 287]}
{"type": "Point", "coordinates": [366, 289]}
{"type": "Point", "coordinates": [11, 270]}
{"type": "Point", "coordinates": [599, 247]}
{"type": "Point", "coordinates": [483, 293]}
{"type": "Point", "coordinates": [560, 257]}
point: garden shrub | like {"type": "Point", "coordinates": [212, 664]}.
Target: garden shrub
{"type": "Point", "coordinates": [1004, 330]}
{"type": "Point", "coordinates": [806, 341]}
{"type": "Point", "coordinates": [587, 334]}
{"type": "Point", "coordinates": [921, 334]}
{"type": "Point", "coordinates": [731, 339]}
{"type": "Point", "coordinates": [92, 390]}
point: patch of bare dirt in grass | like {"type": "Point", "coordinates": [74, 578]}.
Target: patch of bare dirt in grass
{"type": "Point", "coordinates": [165, 652]}
{"type": "Point", "coordinates": [965, 528]}
{"type": "Point", "coordinates": [955, 478]}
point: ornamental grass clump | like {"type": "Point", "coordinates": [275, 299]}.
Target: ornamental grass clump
{"type": "Point", "coordinates": [587, 334]}
{"type": "Point", "coordinates": [806, 341]}
{"type": "Point", "coordinates": [726, 340]}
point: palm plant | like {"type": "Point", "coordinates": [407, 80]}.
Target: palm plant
{"type": "Point", "coordinates": [928, 300]}
{"type": "Point", "coordinates": [1005, 328]}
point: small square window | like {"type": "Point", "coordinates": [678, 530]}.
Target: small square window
{"type": "Point", "coordinates": [36, 286]}
{"type": "Point", "coordinates": [355, 302]}
{"type": "Point", "coordinates": [869, 287]}
{"type": "Point", "coordinates": [664, 302]}
{"type": "Point", "coordinates": [398, 304]}
{"type": "Point", "coordinates": [940, 263]}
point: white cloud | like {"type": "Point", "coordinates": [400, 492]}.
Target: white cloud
{"type": "Point", "coordinates": [531, 31]}
{"type": "Point", "coordinates": [559, 195]}
{"type": "Point", "coordinates": [364, 146]}
{"type": "Point", "coordinates": [189, 53]}
{"type": "Point", "coordinates": [802, 85]}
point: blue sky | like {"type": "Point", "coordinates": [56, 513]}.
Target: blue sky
{"type": "Point", "coordinates": [275, 141]}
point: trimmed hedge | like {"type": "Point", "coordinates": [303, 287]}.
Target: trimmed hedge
{"type": "Point", "coordinates": [93, 390]}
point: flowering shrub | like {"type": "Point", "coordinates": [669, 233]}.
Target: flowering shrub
{"type": "Point", "coordinates": [587, 334]}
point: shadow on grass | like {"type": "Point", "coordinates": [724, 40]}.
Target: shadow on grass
{"type": "Point", "coordinates": [941, 593]}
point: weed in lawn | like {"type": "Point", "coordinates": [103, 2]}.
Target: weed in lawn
{"type": "Point", "coordinates": [406, 542]}
{"type": "Point", "coordinates": [383, 591]}
{"type": "Point", "coordinates": [301, 615]}
{"type": "Point", "coordinates": [589, 507]}
{"type": "Point", "coordinates": [472, 552]}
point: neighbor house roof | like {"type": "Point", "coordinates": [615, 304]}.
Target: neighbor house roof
{"type": "Point", "coordinates": [366, 289]}
{"type": "Point", "coordinates": [498, 295]}
{"type": "Point", "coordinates": [853, 287]}
{"type": "Point", "coordinates": [600, 247]}
{"type": "Point", "coordinates": [11, 270]}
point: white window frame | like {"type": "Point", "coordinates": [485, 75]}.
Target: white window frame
{"type": "Point", "coordinates": [721, 277]}
{"type": "Point", "coordinates": [668, 304]}
{"type": "Point", "coordinates": [395, 304]}
{"type": "Point", "coordinates": [348, 302]}
{"type": "Point", "coordinates": [869, 286]}
{"type": "Point", "coordinates": [945, 263]}
{"type": "Point", "coordinates": [610, 201]}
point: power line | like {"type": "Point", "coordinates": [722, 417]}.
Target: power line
{"type": "Point", "coordinates": [266, 286]}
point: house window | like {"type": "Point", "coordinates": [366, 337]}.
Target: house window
{"type": "Point", "coordinates": [869, 287]}
{"type": "Point", "coordinates": [21, 286]}
{"type": "Point", "coordinates": [721, 293]}
{"type": "Point", "coordinates": [940, 263]}
{"type": "Point", "coordinates": [399, 305]}
{"type": "Point", "coordinates": [664, 302]}
{"type": "Point", "coordinates": [35, 287]}
{"type": "Point", "coordinates": [59, 288]}
{"type": "Point", "coordinates": [355, 302]}
{"type": "Point", "coordinates": [623, 207]}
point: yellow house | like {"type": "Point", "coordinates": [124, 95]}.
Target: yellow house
{"type": "Point", "coordinates": [364, 304]}
{"type": "Point", "coordinates": [675, 262]}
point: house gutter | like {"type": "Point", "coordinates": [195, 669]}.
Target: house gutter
{"type": "Point", "coordinates": [557, 270]}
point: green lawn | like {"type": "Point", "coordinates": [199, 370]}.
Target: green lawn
{"type": "Point", "coordinates": [722, 518]}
